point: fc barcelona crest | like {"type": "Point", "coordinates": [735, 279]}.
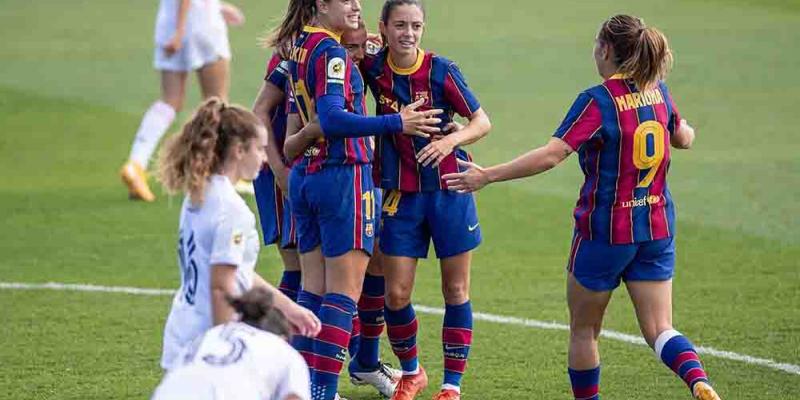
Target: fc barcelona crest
{"type": "Point", "coordinates": [422, 95]}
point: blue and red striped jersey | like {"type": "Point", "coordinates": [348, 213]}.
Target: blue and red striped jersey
{"type": "Point", "coordinates": [441, 83]}
{"type": "Point", "coordinates": [278, 75]}
{"type": "Point", "coordinates": [319, 66]}
{"type": "Point", "coordinates": [622, 136]}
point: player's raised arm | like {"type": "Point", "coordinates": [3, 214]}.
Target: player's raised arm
{"type": "Point", "coordinates": [531, 163]}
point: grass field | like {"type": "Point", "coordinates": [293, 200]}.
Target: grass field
{"type": "Point", "coordinates": [76, 77]}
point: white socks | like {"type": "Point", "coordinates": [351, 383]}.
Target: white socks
{"type": "Point", "coordinates": [155, 123]}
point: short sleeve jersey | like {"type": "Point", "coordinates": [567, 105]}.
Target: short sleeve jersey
{"type": "Point", "coordinates": [221, 231]}
{"type": "Point", "coordinates": [278, 75]}
{"type": "Point", "coordinates": [622, 136]}
{"type": "Point", "coordinates": [320, 66]}
{"type": "Point", "coordinates": [440, 82]}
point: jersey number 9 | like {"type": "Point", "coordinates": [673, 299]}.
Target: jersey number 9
{"type": "Point", "coordinates": [642, 158]}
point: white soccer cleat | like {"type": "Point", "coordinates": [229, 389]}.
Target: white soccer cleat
{"type": "Point", "coordinates": [384, 379]}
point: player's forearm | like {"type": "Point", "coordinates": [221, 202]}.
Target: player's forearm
{"type": "Point", "coordinates": [280, 300]}
{"type": "Point", "coordinates": [684, 137]}
{"type": "Point", "coordinates": [183, 12]}
{"type": "Point", "coordinates": [221, 311]}
{"type": "Point", "coordinates": [298, 143]}
{"type": "Point", "coordinates": [531, 163]}
{"type": "Point", "coordinates": [338, 123]}
{"type": "Point", "coordinates": [478, 127]}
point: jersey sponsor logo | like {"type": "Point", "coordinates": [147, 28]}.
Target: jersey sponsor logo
{"type": "Point", "coordinates": [238, 238]}
{"type": "Point", "coordinates": [336, 70]}
{"type": "Point", "coordinates": [641, 201]}
{"type": "Point", "coordinates": [389, 102]}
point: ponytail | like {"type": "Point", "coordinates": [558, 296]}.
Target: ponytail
{"type": "Point", "coordinates": [642, 53]}
{"type": "Point", "coordinates": [256, 308]}
{"type": "Point", "coordinates": [187, 159]}
{"type": "Point", "coordinates": [299, 13]}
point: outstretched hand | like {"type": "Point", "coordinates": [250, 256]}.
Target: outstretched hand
{"type": "Point", "coordinates": [420, 123]}
{"type": "Point", "coordinates": [471, 180]}
{"type": "Point", "coordinates": [303, 321]}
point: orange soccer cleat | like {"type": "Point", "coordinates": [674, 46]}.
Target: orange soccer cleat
{"type": "Point", "coordinates": [134, 176]}
{"type": "Point", "coordinates": [410, 385]}
{"type": "Point", "coordinates": [447, 394]}
{"type": "Point", "coordinates": [704, 391]}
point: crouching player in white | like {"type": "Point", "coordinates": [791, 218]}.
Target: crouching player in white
{"type": "Point", "coordinates": [190, 35]}
{"type": "Point", "coordinates": [218, 243]}
{"type": "Point", "coordinates": [244, 360]}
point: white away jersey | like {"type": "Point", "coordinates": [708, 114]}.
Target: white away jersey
{"type": "Point", "coordinates": [236, 361]}
{"type": "Point", "coordinates": [222, 231]}
{"type": "Point", "coordinates": [204, 18]}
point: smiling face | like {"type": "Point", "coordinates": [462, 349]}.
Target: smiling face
{"type": "Point", "coordinates": [339, 15]}
{"type": "Point", "coordinates": [403, 29]}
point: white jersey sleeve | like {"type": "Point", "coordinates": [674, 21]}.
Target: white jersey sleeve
{"type": "Point", "coordinates": [295, 380]}
{"type": "Point", "coordinates": [228, 246]}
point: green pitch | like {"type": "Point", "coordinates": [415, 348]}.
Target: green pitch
{"type": "Point", "coordinates": [76, 78]}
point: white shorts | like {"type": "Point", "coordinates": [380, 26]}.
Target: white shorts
{"type": "Point", "coordinates": [205, 41]}
{"type": "Point", "coordinates": [198, 50]}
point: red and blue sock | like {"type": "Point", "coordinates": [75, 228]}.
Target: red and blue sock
{"type": "Point", "coordinates": [290, 284]}
{"type": "Point", "coordinates": [585, 384]}
{"type": "Point", "coordinates": [678, 353]}
{"type": "Point", "coordinates": [456, 341]}
{"type": "Point", "coordinates": [330, 346]}
{"type": "Point", "coordinates": [303, 344]}
{"type": "Point", "coordinates": [370, 311]}
{"type": "Point", "coordinates": [354, 346]}
{"type": "Point", "coordinates": [401, 325]}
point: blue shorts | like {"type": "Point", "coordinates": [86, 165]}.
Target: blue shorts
{"type": "Point", "coordinates": [334, 208]}
{"type": "Point", "coordinates": [600, 266]}
{"type": "Point", "coordinates": [274, 212]}
{"type": "Point", "coordinates": [410, 220]}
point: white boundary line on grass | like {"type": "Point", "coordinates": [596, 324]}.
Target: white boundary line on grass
{"type": "Point", "coordinates": [498, 319]}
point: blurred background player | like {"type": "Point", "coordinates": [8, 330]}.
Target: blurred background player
{"type": "Point", "coordinates": [190, 35]}
{"type": "Point", "coordinates": [624, 219]}
{"type": "Point", "coordinates": [248, 359]}
{"type": "Point", "coordinates": [218, 242]}
{"type": "Point", "coordinates": [417, 207]}
{"type": "Point", "coordinates": [331, 188]}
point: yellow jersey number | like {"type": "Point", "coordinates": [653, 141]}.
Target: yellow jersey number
{"type": "Point", "coordinates": [641, 159]}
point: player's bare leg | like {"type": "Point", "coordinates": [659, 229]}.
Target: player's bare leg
{"type": "Point", "coordinates": [653, 303]}
{"type": "Point", "coordinates": [457, 324]}
{"type": "Point", "coordinates": [401, 323]}
{"type": "Point", "coordinates": [154, 125]}
{"type": "Point", "coordinates": [586, 310]}
{"type": "Point", "coordinates": [214, 79]}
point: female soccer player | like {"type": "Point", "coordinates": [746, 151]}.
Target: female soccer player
{"type": "Point", "coordinates": [417, 207]}
{"type": "Point", "coordinates": [277, 222]}
{"type": "Point", "coordinates": [331, 188]}
{"type": "Point", "coordinates": [218, 242]}
{"type": "Point", "coordinates": [624, 229]}
{"type": "Point", "coordinates": [248, 359]}
{"type": "Point", "coordinates": [190, 35]}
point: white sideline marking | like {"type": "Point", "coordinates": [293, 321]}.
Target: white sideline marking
{"type": "Point", "coordinates": [499, 319]}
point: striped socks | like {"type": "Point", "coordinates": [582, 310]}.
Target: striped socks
{"type": "Point", "coordinates": [677, 352]}
{"type": "Point", "coordinates": [354, 346]}
{"type": "Point", "coordinates": [456, 341]}
{"type": "Point", "coordinates": [330, 346]}
{"type": "Point", "coordinates": [301, 343]}
{"type": "Point", "coordinates": [402, 328]}
{"type": "Point", "coordinates": [370, 311]}
{"type": "Point", "coordinates": [290, 284]}
{"type": "Point", "coordinates": [585, 384]}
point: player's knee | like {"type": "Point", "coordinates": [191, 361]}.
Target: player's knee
{"type": "Point", "coordinates": [398, 296]}
{"type": "Point", "coordinates": [583, 332]}
{"type": "Point", "coordinates": [455, 292]}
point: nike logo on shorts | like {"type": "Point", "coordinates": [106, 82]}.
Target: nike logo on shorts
{"type": "Point", "coordinates": [473, 227]}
